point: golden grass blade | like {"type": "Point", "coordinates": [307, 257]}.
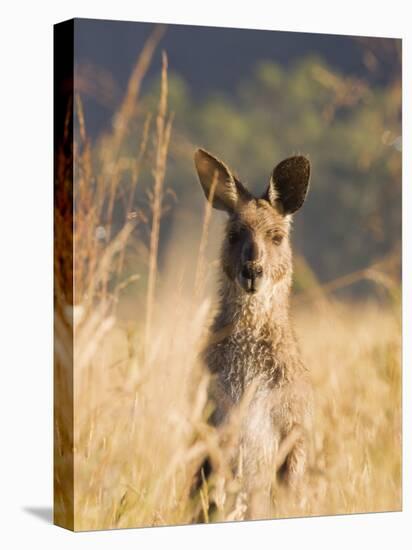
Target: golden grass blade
{"type": "Point", "coordinates": [163, 127]}
{"type": "Point", "coordinates": [128, 106]}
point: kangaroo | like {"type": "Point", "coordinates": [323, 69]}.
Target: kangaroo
{"type": "Point", "coordinates": [251, 339]}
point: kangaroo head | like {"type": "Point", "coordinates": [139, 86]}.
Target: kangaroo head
{"type": "Point", "coordinates": [256, 249]}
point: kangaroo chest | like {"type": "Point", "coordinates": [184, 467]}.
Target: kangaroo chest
{"type": "Point", "coordinates": [244, 357]}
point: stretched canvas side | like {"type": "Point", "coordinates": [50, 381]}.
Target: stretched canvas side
{"type": "Point", "coordinates": [63, 275]}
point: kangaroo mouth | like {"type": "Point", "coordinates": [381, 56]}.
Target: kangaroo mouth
{"type": "Point", "coordinates": [249, 285]}
{"type": "Point", "coordinates": [251, 290]}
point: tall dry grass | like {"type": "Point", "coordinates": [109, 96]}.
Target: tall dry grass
{"type": "Point", "coordinates": [141, 425]}
{"type": "Point", "coordinates": [138, 426]}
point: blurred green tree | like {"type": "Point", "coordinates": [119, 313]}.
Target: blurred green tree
{"type": "Point", "coordinates": [350, 129]}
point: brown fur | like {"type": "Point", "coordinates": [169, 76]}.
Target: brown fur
{"type": "Point", "coordinates": [252, 341]}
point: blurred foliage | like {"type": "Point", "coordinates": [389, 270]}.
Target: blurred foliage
{"type": "Point", "coordinates": [349, 127]}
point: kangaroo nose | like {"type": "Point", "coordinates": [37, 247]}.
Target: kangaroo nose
{"type": "Point", "coordinates": [252, 271]}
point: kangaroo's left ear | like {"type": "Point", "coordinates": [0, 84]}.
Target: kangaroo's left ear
{"type": "Point", "coordinates": [289, 184]}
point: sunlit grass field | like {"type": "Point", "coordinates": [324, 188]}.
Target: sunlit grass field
{"type": "Point", "coordinates": [137, 424]}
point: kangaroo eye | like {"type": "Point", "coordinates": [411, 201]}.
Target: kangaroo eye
{"type": "Point", "coordinates": [277, 238]}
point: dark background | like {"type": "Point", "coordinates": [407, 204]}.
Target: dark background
{"type": "Point", "coordinates": [210, 58]}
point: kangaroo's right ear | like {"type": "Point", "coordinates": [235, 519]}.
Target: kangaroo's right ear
{"type": "Point", "coordinates": [219, 185]}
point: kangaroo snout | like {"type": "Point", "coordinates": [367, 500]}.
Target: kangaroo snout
{"type": "Point", "coordinates": [251, 276]}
